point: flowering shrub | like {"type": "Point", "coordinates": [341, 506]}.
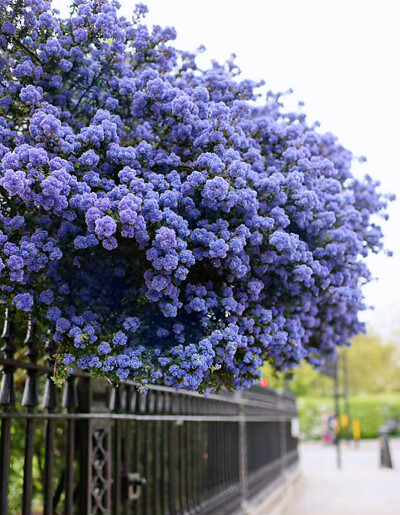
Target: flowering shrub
{"type": "Point", "coordinates": [159, 221]}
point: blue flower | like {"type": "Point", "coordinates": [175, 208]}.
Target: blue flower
{"type": "Point", "coordinates": [89, 158]}
{"type": "Point", "coordinates": [62, 325]}
{"type": "Point", "coordinates": [46, 297]}
{"type": "Point", "coordinates": [65, 65]}
{"type": "Point", "coordinates": [23, 301]}
{"type": "Point", "coordinates": [131, 324]}
{"type": "Point", "coordinates": [236, 232]}
{"type": "Point", "coordinates": [104, 348]}
{"type": "Point", "coordinates": [8, 28]}
{"type": "Point", "coordinates": [215, 189]}
{"type": "Point", "coordinates": [105, 227]}
{"type": "Point", "coordinates": [120, 338]}
{"type": "Point", "coordinates": [31, 95]}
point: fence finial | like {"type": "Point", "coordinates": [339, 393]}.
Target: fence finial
{"type": "Point", "coordinates": [7, 389]}
{"type": "Point", "coordinates": [30, 398]}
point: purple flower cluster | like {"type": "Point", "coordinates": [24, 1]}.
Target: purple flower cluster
{"type": "Point", "coordinates": [156, 220]}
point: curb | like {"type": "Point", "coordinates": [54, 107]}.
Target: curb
{"type": "Point", "coordinates": [275, 499]}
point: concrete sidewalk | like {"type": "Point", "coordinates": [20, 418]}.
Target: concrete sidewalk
{"type": "Point", "coordinates": [360, 488]}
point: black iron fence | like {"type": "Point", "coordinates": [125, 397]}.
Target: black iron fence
{"type": "Point", "coordinates": [94, 449]}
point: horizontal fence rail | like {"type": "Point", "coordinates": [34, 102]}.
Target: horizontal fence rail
{"type": "Point", "coordinates": [95, 449]}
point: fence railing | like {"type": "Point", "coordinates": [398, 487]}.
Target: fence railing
{"type": "Point", "coordinates": [94, 449]}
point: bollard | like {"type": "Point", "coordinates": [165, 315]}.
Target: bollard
{"type": "Point", "coordinates": [356, 431]}
{"type": "Point", "coordinates": [385, 458]}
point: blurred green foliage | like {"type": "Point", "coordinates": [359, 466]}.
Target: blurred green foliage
{"type": "Point", "coordinates": [371, 410]}
{"type": "Point", "coordinates": [373, 367]}
{"type": "Point", "coordinates": [373, 384]}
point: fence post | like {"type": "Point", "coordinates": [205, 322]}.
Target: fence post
{"type": "Point", "coordinates": [283, 433]}
{"type": "Point", "coordinates": [50, 404]}
{"type": "Point", "coordinates": [116, 403]}
{"type": "Point", "coordinates": [69, 402]}
{"type": "Point", "coordinates": [82, 444]}
{"type": "Point", "coordinates": [173, 457]}
{"type": "Point", "coordinates": [30, 400]}
{"type": "Point", "coordinates": [7, 400]}
{"type": "Point", "coordinates": [94, 448]}
{"type": "Point", "coordinates": [243, 477]}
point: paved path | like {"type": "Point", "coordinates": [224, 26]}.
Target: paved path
{"type": "Point", "coordinates": [360, 488]}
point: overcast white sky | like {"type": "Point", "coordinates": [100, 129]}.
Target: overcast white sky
{"type": "Point", "coordinates": [342, 58]}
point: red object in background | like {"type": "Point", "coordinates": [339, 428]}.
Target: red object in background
{"type": "Point", "coordinates": [264, 382]}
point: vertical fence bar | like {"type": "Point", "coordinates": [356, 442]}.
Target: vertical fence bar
{"type": "Point", "coordinates": [83, 443]}
{"type": "Point", "coordinates": [212, 469]}
{"type": "Point", "coordinates": [205, 451]}
{"type": "Point", "coordinates": [173, 460]}
{"type": "Point", "coordinates": [189, 459]}
{"type": "Point", "coordinates": [196, 458]}
{"type": "Point", "coordinates": [115, 406]}
{"type": "Point", "coordinates": [126, 448]}
{"type": "Point", "coordinates": [136, 446]}
{"type": "Point", "coordinates": [139, 451]}
{"type": "Point", "coordinates": [153, 408]}
{"type": "Point", "coordinates": [161, 470]}
{"type": "Point", "coordinates": [142, 450]}
{"type": "Point", "coordinates": [231, 447]}
{"type": "Point", "coordinates": [209, 471]}
{"type": "Point", "coordinates": [221, 452]}
{"type": "Point", "coordinates": [166, 475]}
{"type": "Point", "coordinates": [49, 403]}
{"type": "Point", "coordinates": [188, 464]}
{"type": "Point", "coordinates": [131, 407]}
{"type": "Point", "coordinates": [243, 456]}
{"type": "Point", "coordinates": [30, 400]}
{"type": "Point", "coordinates": [7, 400]}
{"type": "Point", "coordinates": [70, 403]}
{"type": "Point", "coordinates": [147, 458]}
{"type": "Point", "coordinates": [226, 453]}
{"type": "Point", "coordinates": [282, 436]}
{"type": "Point", "coordinates": [181, 430]}
{"type": "Point", "coordinates": [235, 471]}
